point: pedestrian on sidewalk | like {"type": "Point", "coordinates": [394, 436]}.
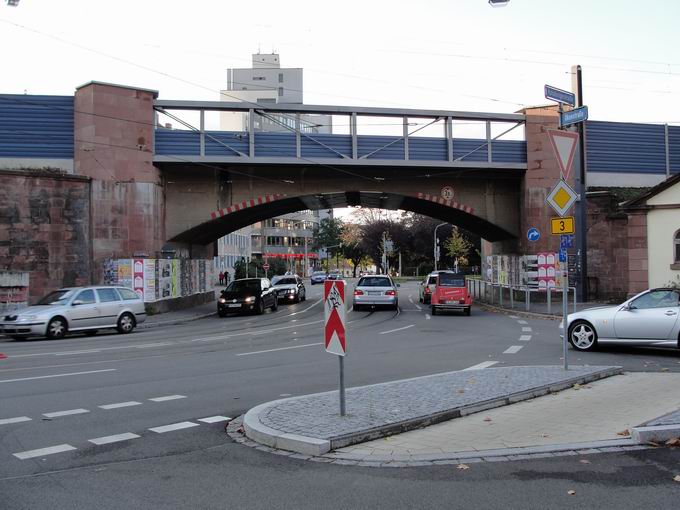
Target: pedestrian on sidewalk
{"type": "Point", "coordinates": [221, 275]}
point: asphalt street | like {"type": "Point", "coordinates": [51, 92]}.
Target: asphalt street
{"type": "Point", "coordinates": [137, 421]}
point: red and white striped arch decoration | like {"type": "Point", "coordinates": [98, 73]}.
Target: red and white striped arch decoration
{"type": "Point", "coordinates": [449, 203]}
{"type": "Point", "coordinates": [244, 205]}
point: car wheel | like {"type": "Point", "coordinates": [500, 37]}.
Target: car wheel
{"type": "Point", "coordinates": [468, 311]}
{"type": "Point", "coordinates": [275, 306]}
{"type": "Point", "coordinates": [91, 332]}
{"type": "Point", "coordinates": [221, 313]}
{"type": "Point", "coordinates": [582, 336]}
{"type": "Point", "coordinates": [434, 311]}
{"type": "Point", "coordinates": [126, 323]}
{"type": "Point", "coordinates": [396, 306]}
{"type": "Point", "coordinates": [56, 328]}
{"type": "Point", "coordinates": [260, 307]}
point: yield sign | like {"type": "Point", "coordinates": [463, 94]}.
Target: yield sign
{"type": "Point", "coordinates": [334, 313]}
{"type": "Point", "coordinates": [564, 145]}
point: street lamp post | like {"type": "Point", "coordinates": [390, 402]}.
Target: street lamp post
{"type": "Point", "coordinates": [436, 255]}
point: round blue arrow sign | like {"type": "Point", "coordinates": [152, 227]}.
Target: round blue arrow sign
{"type": "Point", "coordinates": [533, 234]}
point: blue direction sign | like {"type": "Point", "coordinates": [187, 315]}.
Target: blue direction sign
{"type": "Point", "coordinates": [563, 255]}
{"type": "Point", "coordinates": [566, 241]}
{"type": "Point", "coordinates": [533, 234]}
{"type": "Point", "coordinates": [559, 95]}
{"type": "Point", "coordinates": [574, 116]}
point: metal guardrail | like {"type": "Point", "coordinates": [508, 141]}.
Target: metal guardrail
{"type": "Point", "coordinates": [494, 293]}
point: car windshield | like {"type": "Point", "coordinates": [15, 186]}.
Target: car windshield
{"type": "Point", "coordinates": [319, 272]}
{"type": "Point", "coordinates": [451, 280]}
{"type": "Point", "coordinates": [58, 297]}
{"type": "Point", "coordinates": [432, 280]}
{"type": "Point", "coordinates": [285, 281]}
{"type": "Point", "coordinates": [374, 282]}
{"type": "Point", "coordinates": [244, 286]}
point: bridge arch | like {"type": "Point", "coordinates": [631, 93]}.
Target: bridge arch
{"type": "Point", "coordinates": [241, 214]}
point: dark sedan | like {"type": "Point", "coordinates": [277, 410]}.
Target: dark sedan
{"type": "Point", "coordinates": [247, 295]}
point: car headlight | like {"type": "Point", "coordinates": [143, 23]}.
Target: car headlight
{"type": "Point", "coordinates": [249, 299]}
{"type": "Point", "coordinates": [26, 318]}
{"type": "Point", "coordinates": [292, 291]}
{"type": "Point", "coordinates": [222, 300]}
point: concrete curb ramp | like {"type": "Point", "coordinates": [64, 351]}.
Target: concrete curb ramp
{"type": "Point", "coordinates": [323, 440]}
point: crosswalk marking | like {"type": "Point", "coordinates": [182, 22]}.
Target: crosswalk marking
{"type": "Point", "coordinates": [113, 439]}
{"type": "Point", "coordinates": [174, 426]}
{"type": "Point", "coordinates": [121, 404]}
{"type": "Point", "coordinates": [513, 349]}
{"type": "Point", "coordinates": [166, 398]}
{"type": "Point", "coordinates": [29, 454]}
{"type": "Point", "coordinates": [485, 364]}
{"type": "Point", "coordinates": [18, 419]}
{"type": "Point", "coordinates": [57, 414]}
{"type": "Point", "coordinates": [214, 419]}
{"type": "Point", "coordinates": [525, 338]}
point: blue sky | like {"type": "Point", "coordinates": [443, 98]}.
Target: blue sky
{"type": "Point", "coordinates": [455, 54]}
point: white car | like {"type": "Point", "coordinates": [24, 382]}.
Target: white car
{"type": "Point", "coordinates": [378, 290]}
{"type": "Point", "coordinates": [651, 318]}
{"type": "Point", "coordinates": [85, 309]}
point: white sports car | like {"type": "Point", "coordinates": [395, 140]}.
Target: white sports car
{"type": "Point", "coordinates": [651, 318]}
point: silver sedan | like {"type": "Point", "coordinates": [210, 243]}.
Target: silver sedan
{"type": "Point", "coordinates": [377, 290]}
{"type": "Point", "coordinates": [85, 309]}
{"type": "Point", "coordinates": [651, 318]}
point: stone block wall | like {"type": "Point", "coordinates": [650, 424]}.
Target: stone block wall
{"type": "Point", "coordinates": [44, 228]}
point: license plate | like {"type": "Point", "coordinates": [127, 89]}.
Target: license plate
{"type": "Point", "coordinates": [235, 305]}
{"type": "Point", "coordinates": [452, 301]}
{"type": "Point", "coordinates": [375, 293]}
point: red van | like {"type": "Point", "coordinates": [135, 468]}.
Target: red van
{"type": "Point", "coordinates": [450, 293]}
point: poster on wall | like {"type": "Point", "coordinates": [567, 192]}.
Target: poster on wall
{"type": "Point", "coordinates": [174, 282]}
{"type": "Point", "coordinates": [138, 277]}
{"type": "Point", "coordinates": [546, 271]}
{"type": "Point", "coordinates": [125, 273]}
{"type": "Point", "coordinates": [164, 279]}
{"type": "Point", "coordinates": [149, 280]}
{"type": "Point", "coordinates": [110, 276]}
{"type": "Point", "coordinates": [202, 267]}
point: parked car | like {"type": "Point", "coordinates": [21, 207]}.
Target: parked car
{"type": "Point", "coordinates": [70, 310]}
{"type": "Point", "coordinates": [318, 277]}
{"type": "Point", "coordinates": [650, 318]}
{"type": "Point", "coordinates": [247, 295]}
{"type": "Point", "coordinates": [427, 286]}
{"type": "Point", "coordinates": [289, 288]}
{"type": "Point", "coordinates": [377, 290]}
{"type": "Point", "coordinates": [450, 293]}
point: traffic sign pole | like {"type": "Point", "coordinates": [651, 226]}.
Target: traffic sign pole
{"type": "Point", "coordinates": [565, 304]}
{"type": "Point", "coordinates": [335, 333]}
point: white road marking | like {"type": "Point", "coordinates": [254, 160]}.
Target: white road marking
{"type": "Point", "coordinates": [513, 316]}
{"type": "Point", "coordinates": [418, 306]}
{"type": "Point", "coordinates": [526, 329]}
{"type": "Point", "coordinates": [174, 426]}
{"type": "Point", "coordinates": [120, 404]}
{"type": "Point", "coordinates": [113, 439]}
{"type": "Point", "coordinates": [522, 322]}
{"type": "Point", "coordinates": [29, 454]}
{"type": "Point", "coordinates": [57, 375]}
{"type": "Point", "coordinates": [147, 346]}
{"type": "Point", "coordinates": [513, 349]}
{"type": "Point", "coordinates": [18, 419]}
{"type": "Point", "coordinates": [525, 338]}
{"type": "Point", "coordinates": [166, 398]}
{"type": "Point", "coordinates": [485, 364]}
{"type": "Point", "coordinates": [214, 419]}
{"type": "Point", "coordinates": [398, 329]}
{"type": "Point", "coordinates": [69, 412]}
{"type": "Point", "coordinates": [279, 349]}
{"type": "Point", "coordinates": [77, 352]}
{"type": "Point", "coordinates": [427, 316]}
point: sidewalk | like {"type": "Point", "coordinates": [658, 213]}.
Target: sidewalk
{"type": "Point", "coordinates": [599, 409]}
{"type": "Point", "coordinates": [541, 309]}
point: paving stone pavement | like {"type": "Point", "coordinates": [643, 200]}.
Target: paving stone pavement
{"type": "Point", "coordinates": [380, 405]}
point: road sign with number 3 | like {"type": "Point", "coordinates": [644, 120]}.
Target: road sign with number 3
{"type": "Point", "coordinates": [563, 225]}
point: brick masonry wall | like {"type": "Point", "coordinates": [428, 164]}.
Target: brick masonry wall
{"type": "Point", "coordinates": [608, 256]}
{"type": "Point", "coordinates": [638, 277]}
{"type": "Point", "coordinates": [44, 228]}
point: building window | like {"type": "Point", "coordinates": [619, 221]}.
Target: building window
{"type": "Point", "coordinates": [280, 77]}
{"type": "Point", "coordinates": [280, 91]}
{"type": "Point", "coordinates": [258, 78]}
{"type": "Point", "coordinates": [676, 240]}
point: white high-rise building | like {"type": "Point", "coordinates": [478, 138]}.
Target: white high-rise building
{"type": "Point", "coordinates": [291, 236]}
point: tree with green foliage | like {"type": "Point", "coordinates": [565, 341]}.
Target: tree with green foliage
{"type": "Point", "coordinates": [458, 247]}
{"type": "Point", "coordinates": [329, 236]}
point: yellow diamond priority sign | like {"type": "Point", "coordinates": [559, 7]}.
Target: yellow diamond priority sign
{"type": "Point", "coordinates": [561, 197]}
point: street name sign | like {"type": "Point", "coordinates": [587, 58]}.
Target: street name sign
{"type": "Point", "coordinates": [561, 226]}
{"type": "Point", "coordinates": [335, 333]}
{"type": "Point", "coordinates": [564, 146]}
{"type": "Point", "coordinates": [561, 198]}
{"type": "Point", "coordinates": [574, 116]}
{"type": "Point", "coordinates": [559, 95]}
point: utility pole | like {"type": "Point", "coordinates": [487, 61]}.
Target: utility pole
{"type": "Point", "coordinates": [436, 247]}
{"type": "Point", "coordinates": [582, 205]}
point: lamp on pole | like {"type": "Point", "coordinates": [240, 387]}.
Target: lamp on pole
{"type": "Point", "coordinates": [436, 248]}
